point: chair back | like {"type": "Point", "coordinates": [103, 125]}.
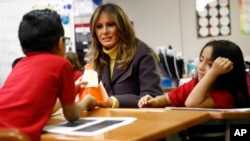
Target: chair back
{"type": "Point", "coordinates": [11, 134]}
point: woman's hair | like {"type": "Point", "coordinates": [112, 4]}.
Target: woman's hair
{"type": "Point", "coordinates": [127, 39]}
{"type": "Point", "coordinates": [74, 60]}
{"type": "Point", "coordinates": [235, 80]}
{"type": "Point", "coordinates": [40, 30]}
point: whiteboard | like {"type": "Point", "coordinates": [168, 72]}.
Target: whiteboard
{"type": "Point", "coordinates": [11, 13]}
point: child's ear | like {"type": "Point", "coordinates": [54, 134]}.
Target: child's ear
{"type": "Point", "coordinates": [61, 44]}
{"type": "Point", "coordinates": [60, 48]}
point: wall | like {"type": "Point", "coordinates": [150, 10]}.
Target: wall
{"type": "Point", "coordinates": [157, 22]}
{"type": "Point", "coordinates": [192, 45]}
{"type": "Point", "coordinates": [164, 22]}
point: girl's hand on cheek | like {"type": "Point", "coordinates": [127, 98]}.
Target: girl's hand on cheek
{"type": "Point", "coordinates": [221, 65]}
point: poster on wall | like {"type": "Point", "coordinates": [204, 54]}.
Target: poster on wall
{"type": "Point", "coordinates": [213, 18]}
{"type": "Point", "coordinates": [244, 7]}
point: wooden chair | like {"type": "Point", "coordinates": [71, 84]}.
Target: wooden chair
{"type": "Point", "coordinates": [11, 134]}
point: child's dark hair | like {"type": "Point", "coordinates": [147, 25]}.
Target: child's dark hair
{"type": "Point", "coordinates": [16, 61]}
{"type": "Point", "coordinates": [40, 30]}
{"type": "Point", "coordinates": [235, 80]}
{"type": "Point", "coordinates": [74, 60]}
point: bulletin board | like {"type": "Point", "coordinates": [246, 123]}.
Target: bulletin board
{"type": "Point", "coordinates": [12, 12]}
{"type": "Point", "coordinates": [213, 18]}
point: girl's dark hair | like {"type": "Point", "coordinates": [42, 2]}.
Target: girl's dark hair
{"type": "Point", "coordinates": [235, 80]}
{"type": "Point", "coordinates": [16, 61]}
{"type": "Point", "coordinates": [74, 60]}
{"type": "Point", "coordinates": [40, 30]}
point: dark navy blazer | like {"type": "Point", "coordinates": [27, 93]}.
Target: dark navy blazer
{"type": "Point", "coordinates": [140, 78]}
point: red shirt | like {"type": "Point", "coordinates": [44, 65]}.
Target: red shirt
{"type": "Point", "coordinates": [178, 96]}
{"type": "Point", "coordinates": [77, 74]}
{"type": "Point", "coordinates": [30, 91]}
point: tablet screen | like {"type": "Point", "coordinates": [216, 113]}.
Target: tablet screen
{"type": "Point", "coordinates": [77, 123]}
{"type": "Point", "coordinates": [100, 125]}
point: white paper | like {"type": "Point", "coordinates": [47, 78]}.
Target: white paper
{"type": "Point", "coordinates": [89, 126]}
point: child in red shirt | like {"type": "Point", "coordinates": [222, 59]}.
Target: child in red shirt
{"type": "Point", "coordinates": [220, 82]}
{"type": "Point", "coordinates": [30, 91]}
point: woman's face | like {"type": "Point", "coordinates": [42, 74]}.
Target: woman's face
{"type": "Point", "coordinates": [106, 31]}
{"type": "Point", "coordinates": [205, 62]}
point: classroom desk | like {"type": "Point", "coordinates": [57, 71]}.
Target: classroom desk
{"type": "Point", "coordinates": [231, 118]}
{"type": "Point", "coordinates": [150, 124]}
{"type": "Point", "coordinates": [238, 113]}
{"type": "Point", "coordinates": [219, 117]}
{"type": "Point", "coordinates": [229, 115]}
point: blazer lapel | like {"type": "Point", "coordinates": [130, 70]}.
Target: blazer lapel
{"type": "Point", "coordinates": [116, 73]}
{"type": "Point", "coordinates": [106, 80]}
